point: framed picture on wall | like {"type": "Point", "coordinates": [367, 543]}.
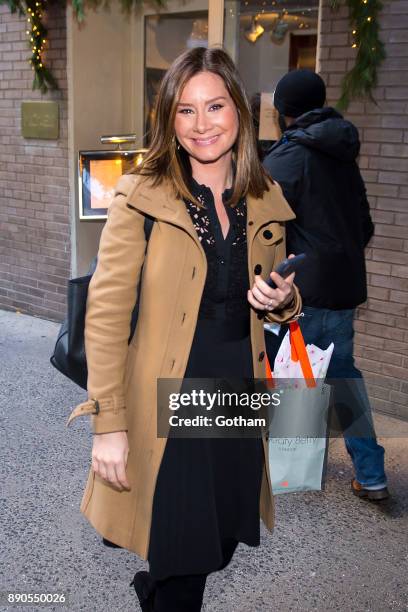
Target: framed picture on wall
{"type": "Point", "coordinates": [98, 174]}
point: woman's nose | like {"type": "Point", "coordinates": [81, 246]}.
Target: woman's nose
{"type": "Point", "coordinates": [202, 122]}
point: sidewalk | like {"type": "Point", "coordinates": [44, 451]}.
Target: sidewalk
{"type": "Point", "coordinates": [329, 551]}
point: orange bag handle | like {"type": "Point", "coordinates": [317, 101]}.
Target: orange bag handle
{"type": "Point", "coordinates": [268, 374]}
{"type": "Point", "coordinates": [299, 353]}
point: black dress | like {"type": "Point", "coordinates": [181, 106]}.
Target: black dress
{"type": "Point", "coordinates": [207, 492]}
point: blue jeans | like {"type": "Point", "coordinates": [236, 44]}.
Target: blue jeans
{"type": "Point", "coordinates": [322, 326]}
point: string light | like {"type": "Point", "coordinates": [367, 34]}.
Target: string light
{"type": "Point", "coordinates": [38, 40]}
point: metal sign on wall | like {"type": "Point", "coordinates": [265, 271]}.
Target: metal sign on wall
{"type": "Point", "coordinates": [40, 120]}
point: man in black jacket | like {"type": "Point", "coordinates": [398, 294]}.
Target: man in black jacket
{"type": "Point", "coordinates": [315, 164]}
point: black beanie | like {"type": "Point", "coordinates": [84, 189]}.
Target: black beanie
{"type": "Point", "coordinates": [299, 92]}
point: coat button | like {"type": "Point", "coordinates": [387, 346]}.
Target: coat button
{"type": "Point", "coordinates": [258, 269]}
{"type": "Point", "coordinates": [261, 356]}
{"type": "Point", "coordinates": [267, 234]}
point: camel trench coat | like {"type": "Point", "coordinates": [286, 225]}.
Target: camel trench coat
{"type": "Point", "coordinates": [122, 378]}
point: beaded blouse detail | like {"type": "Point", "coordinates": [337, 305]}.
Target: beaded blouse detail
{"type": "Point", "coordinates": [227, 282]}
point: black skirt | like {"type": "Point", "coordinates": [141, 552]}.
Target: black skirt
{"type": "Point", "coordinates": [207, 491]}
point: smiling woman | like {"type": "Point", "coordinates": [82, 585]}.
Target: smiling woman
{"type": "Point", "coordinates": [206, 126]}
{"type": "Point", "coordinates": [184, 504]}
{"type": "Point", "coordinates": [202, 116]}
{"type": "Point", "coordinates": [206, 122]}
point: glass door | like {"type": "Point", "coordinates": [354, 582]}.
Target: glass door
{"type": "Point", "coordinates": [266, 39]}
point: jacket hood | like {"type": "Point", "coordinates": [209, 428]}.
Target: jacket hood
{"type": "Point", "coordinates": [326, 130]}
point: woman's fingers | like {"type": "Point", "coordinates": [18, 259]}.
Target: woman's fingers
{"type": "Point", "coordinates": [109, 458]}
{"type": "Point", "coordinates": [260, 296]}
{"type": "Point", "coordinates": [279, 296]}
{"type": "Point", "coordinates": [121, 476]}
{"type": "Point", "coordinates": [114, 473]}
{"type": "Point", "coordinates": [263, 297]}
{"type": "Point", "coordinates": [284, 284]}
{"type": "Point", "coordinates": [251, 299]}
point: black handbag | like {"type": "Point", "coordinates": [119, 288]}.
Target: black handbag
{"type": "Point", "coordinates": [69, 353]}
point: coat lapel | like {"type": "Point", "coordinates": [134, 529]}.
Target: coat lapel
{"type": "Point", "coordinates": [271, 207]}
{"type": "Point", "coordinates": [160, 203]}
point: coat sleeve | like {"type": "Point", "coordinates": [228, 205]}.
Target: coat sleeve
{"type": "Point", "coordinates": [366, 221]}
{"type": "Point", "coordinates": [111, 298]}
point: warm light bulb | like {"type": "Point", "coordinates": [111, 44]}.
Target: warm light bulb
{"type": "Point", "coordinates": [354, 45]}
{"type": "Point", "coordinates": [368, 18]}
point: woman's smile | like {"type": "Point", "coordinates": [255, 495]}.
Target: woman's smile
{"type": "Point", "coordinates": [204, 142]}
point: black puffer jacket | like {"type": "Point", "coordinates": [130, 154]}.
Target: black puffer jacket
{"type": "Point", "coordinates": [315, 164]}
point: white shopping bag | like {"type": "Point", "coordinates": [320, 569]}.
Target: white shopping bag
{"type": "Point", "coordinates": [298, 428]}
{"type": "Point", "coordinates": [285, 367]}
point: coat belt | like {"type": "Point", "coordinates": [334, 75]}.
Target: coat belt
{"type": "Point", "coordinates": [94, 406]}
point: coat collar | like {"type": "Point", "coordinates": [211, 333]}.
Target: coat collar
{"type": "Point", "coordinates": [160, 203]}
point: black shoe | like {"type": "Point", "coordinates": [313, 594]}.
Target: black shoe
{"type": "Point", "coordinates": [144, 587]}
{"type": "Point", "coordinates": [110, 544]}
{"type": "Point", "coordinates": [372, 495]}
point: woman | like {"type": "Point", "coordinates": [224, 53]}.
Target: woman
{"type": "Point", "coordinates": [218, 226]}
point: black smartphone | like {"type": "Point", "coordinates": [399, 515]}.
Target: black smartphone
{"type": "Point", "coordinates": [286, 267]}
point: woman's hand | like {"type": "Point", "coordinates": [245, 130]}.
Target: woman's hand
{"type": "Point", "coordinates": [263, 297]}
{"type": "Point", "coordinates": [109, 458]}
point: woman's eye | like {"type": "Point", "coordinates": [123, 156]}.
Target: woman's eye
{"type": "Point", "coordinates": [216, 107]}
{"type": "Point", "coordinates": [185, 111]}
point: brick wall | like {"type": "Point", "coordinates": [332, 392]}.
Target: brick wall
{"type": "Point", "coordinates": [381, 346]}
{"type": "Point", "coordinates": [34, 207]}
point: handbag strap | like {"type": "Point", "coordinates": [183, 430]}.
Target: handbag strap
{"type": "Point", "coordinates": [299, 353]}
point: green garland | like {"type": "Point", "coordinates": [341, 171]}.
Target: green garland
{"type": "Point", "coordinates": [360, 81]}
{"type": "Point", "coordinates": [33, 11]}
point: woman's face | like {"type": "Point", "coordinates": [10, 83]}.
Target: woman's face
{"type": "Point", "coordinates": [206, 123]}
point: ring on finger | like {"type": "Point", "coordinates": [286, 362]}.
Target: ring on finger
{"type": "Point", "coordinates": [269, 305]}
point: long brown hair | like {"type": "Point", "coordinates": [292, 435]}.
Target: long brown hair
{"type": "Point", "coordinates": [167, 161]}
